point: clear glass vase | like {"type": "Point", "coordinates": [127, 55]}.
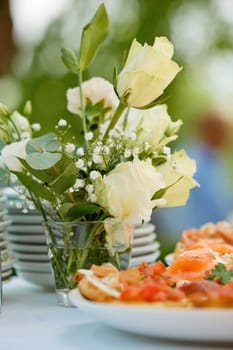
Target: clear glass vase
{"type": "Point", "coordinates": [78, 245]}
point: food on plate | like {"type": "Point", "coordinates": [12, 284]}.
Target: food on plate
{"type": "Point", "coordinates": [210, 233]}
{"type": "Point", "coordinates": [201, 274]}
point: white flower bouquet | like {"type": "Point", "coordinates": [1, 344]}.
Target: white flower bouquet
{"type": "Point", "coordinates": [121, 168]}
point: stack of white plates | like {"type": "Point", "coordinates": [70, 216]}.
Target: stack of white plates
{"type": "Point", "coordinates": [7, 261]}
{"type": "Point", "coordinates": [27, 241]}
{"type": "Point", "coordinates": [145, 245]}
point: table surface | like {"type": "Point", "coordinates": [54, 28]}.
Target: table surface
{"type": "Point", "coordinates": [31, 319]}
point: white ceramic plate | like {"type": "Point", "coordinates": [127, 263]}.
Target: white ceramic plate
{"type": "Point", "coordinates": [171, 323]}
{"type": "Point", "coordinates": [31, 256]}
{"type": "Point", "coordinates": [26, 238]}
{"type": "Point", "coordinates": [42, 279]}
{"type": "Point", "coordinates": [144, 249]}
{"type": "Point", "coordinates": [26, 219]}
{"type": "Point", "coordinates": [32, 266]}
{"type": "Point", "coordinates": [144, 239]}
{"type": "Point", "coordinates": [169, 258]}
{"type": "Point", "coordinates": [144, 230]}
{"type": "Point", "coordinates": [148, 258]}
{"type": "Point", "coordinates": [31, 229]}
{"type": "Point", "coordinates": [27, 247]}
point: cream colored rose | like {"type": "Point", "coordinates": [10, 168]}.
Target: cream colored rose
{"type": "Point", "coordinates": [11, 153]}
{"type": "Point", "coordinates": [127, 190]}
{"type": "Point", "coordinates": [147, 72]}
{"type": "Point", "coordinates": [153, 125]}
{"type": "Point", "coordinates": [95, 89]}
{"type": "Point", "coordinates": [179, 166]}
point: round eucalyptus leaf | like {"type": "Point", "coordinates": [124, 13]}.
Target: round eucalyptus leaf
{"type": "Point", "coordinates": [42, 161]}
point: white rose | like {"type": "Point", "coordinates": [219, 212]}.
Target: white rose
{"type": "Point", "coordinates": [147, 72]}
{"type": "Point", "coordinates": [127, 190]}
{"type": "Point", "coordinates": [96, 90]}
{"type": "Point", "coordinates": [11, 153]}
{"type": "Point", "coordinates": [155, 125]}
{"type": "Point", "coordinates": [179, 166]}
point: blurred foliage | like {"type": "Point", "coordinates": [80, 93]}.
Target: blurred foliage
{"type": "Point", "coordinates": [43, 78]}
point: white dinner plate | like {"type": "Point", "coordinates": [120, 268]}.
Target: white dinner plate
{"type": "Point", "coordinates": [148, 258]}
{"type": "Point", "coordinates": [26, 238]}
{"type": "Point", "coordinates": [32, 266]}
{"type": "Point", "coordinates": [144, 249]}
{"type": "Point", "coordinates": [26, 219]}
{"type": "Point", "coordinates": [31, 256]}
{"type": "Point", "coordinates": [169, 323]}
{"type": "Point", "coordinates": [27, 247]}
{"type": "Point", "coordinates": [42, 279]}
{"type": "Point", "coordinates": [31, 229]}
{"type": "Point", "coordinates": [144, 229]}
{"type": "Point", "coordinates": [144, 239]}
{"type": "Point", "coordinates": [169, 258]}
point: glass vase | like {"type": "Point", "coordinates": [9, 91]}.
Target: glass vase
{"type": "Point", "coordinates": [78, 245]}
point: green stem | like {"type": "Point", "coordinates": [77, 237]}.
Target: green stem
{"type": "Point", "coordinates": [116, 116]}
{"type": "Point", "coordinates": [83, 116]}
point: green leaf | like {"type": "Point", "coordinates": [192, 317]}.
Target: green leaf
{"type": "Point", "coordinates": [159, 193]}
{"type": "Point", "coordinates": [221, 274]}
{"type": "Point", "coordinates": [64, 208]}
{"type": "Point", "coordinates": [42, 161]}
{"type": "Point", "coordinates": [39, 190]}
{"type": "Point", "coordinates": [65, 180]}
{"type": "Point", "coordinates": [70, 60]}
{"type": "Point", "coordinates": [82, 209]}
{"type": "Point", "coordinates": [47, 142]}
{"type": "Point", "coordinates": [92, 36]}
{"type": "Point", "coordinates": [41, 152]}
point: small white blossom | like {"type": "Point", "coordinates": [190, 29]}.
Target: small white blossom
{"type": "Point", "coordinates": [69, 147]}
{"type": "Point", "coordinates": [36, 126]}
{"type": "Point", "coordinates": [127, 153]}
{"type": "Point", "coordinates": [80, 151]}
{"type": "Point", "coordinates": [94, 174]}
{"type": "Point", "coordinates": [80, 164]}
{"type": "Point", "coordinates": [106, 149]}
{"type": "Point", "coordinates": [62, 122]}
{"type": "Point", "coordinates": [97, 159]}
{"type": "Point", "coordinates": [79, 183]}
{"type": "Point", "coordinates": [97, 150]}
{"type": "Point", "coordinates": [89, 163]}
{"type": "Point", "coordinates": [146, 146]}
{"type": "Point", "coordinates": [92, 198]}
{"type": "Point", "coordinates": [89, 136]}
{"type": "Point", "coordinates": [135, 152]}
{"type": "Point", "coordinates": [89, 188]}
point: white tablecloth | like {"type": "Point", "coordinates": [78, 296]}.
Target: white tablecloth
{"type": "Point", "coordinates": [31, 320]}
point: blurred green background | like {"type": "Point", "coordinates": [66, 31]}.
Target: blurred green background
{"type": "Point", "coordinates": [33, 32]}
